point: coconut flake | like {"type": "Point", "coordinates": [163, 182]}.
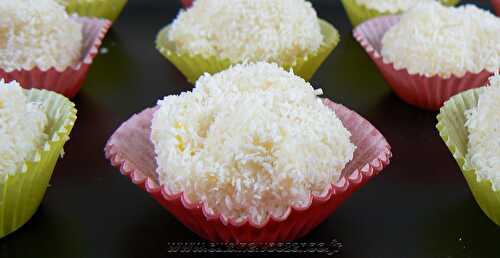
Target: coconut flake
{"type": "Point", "coordinates": [432, 39]}
{"type": "Point", "coordinates": [249, 142]}
{"type": "Point", "coordinates": [279, 31]}
{"type": "Point", "coordinates": [483, 124]}
{"type": "Point", "coordinates": [22, 125]}
{"type": "Point", "coordinates": [37, 33]}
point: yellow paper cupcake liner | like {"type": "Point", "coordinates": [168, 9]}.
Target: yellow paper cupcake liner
{"type": "Point", "coordinates": [451, 126]}
{"type": "Point", "coordinates": [108, 9]}
{"type": "Point", "coordinates": [359, 13]}
{"type": "Point", "coordinates": [22, 192]}
{"type": "Point", "coordinates": [194, 66]}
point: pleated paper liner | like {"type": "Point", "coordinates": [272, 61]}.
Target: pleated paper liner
{"type": "Point", "coordinates": [186, 3]}
{"type": "Point", "coordinates": [193, 66]}
{"type": "Point", "coordinates": [131, 151]}
{"type": "Point", "coordinates": [496, 6]}
{"type": "Point", "coordinates": [22, 193]}
{"type": "Point", "coordinates": [68, 81]}
{"type": "Point", "coordinates": [359, 13]}
{"type": "Point", "coordinates": [418, 90]}
{"type": "Point", "coordinates": [106, 9]}
{"type": "Point", "coordinates": [451, 126]}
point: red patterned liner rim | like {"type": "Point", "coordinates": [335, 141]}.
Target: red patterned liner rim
{"type": "Point", "coordinates": [87, 58]}
{"type": "Point", "coordinates": [496, 6]}
{"type": "Point", "coordinates": [374, 53]}
{"type": "Point", "coordinates": [187, 3]}
{"type": "Point", "coordinates": [139, 178]}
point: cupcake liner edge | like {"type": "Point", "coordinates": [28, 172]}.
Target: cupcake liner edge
{"type": "Point", "coordinates": [359, 13]}
{"type": "Point", "coordinates": [496, 6]}
{"type": "Point", "coordinates": [25, 189]}
{"type": "Point", "coordinates": [108, 9]}
{"type": "Point", "coordinates": [194, 66]}
{"type": "Point", "coordinates": [482, 189]}
{"type": "Point", "coordinates": [426, 92]}
{"type": "Point", "coordinates": [89, 55]}
{"type": "Point", "coordinates": [357, 177]}
{"type": "Point", "coordinates": [58, 135]}
{"type": "Point", "coordinates": [377, 56]}
{"type": "Point", "coordinates": [69, 80]}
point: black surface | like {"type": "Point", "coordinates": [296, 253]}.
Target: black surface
{"type": "Point", "coordinates": [418, 207]}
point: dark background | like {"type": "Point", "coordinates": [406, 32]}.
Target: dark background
{"type": "Point", "coordinates": [420, 206]}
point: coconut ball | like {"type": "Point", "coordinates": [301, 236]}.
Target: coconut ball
{"type": "Point", "coordinates": [249, 142]}
{"type": "Point", "coordinates": [484, 134]}
{"type": "Point", "coordinates": [37, 33]}
{"type": "Point", "coordinates": [390, 6]}
{"type": "Point", "coordinates": [279, 31]}
{"type": "Point", "coordinates": [432, 39]}
{"type": "Point", "coordinates": [22, 125]}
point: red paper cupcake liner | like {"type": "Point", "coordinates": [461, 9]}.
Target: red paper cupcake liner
{"type": "Point", "coordinates": [496, 6]}
{"type": "Point", "coordinates": [131, 150]}
{"type": "Point", "coordinates": [424, 92]}
{"type": "Point", "coordinates": [187, 3]}
{"type": "Point", "coordinates": [68, 81]}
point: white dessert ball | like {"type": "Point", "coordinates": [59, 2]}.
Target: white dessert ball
{"type": "Point", "coordinates": [22, 125]}
{"type": "Point", "coordinates": [249, 142]}
{"type": "Point", "coordinates": [432, 39]}
{"type": "Point", "coordinates": [279, 31]}
{"type": "Point", "coordinates": [38, 33]}
{"type": "Point", "coordinates": [484, 134]}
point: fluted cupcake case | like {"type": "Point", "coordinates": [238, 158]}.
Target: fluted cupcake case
{"type": "Point", "coordinates": [22, 192]}
{"type": "Point", "coordinates": [106, 9]}
{"type": "Point", "coordinates": [186, 3]}
{"type": "Point", "coordinates": [451, 126]}
{"type": "Point", "coordinates": [496, 6]}
{"type": "Point", "coordinates": [68, 81]}
{"type": "Point", "coordinates": [419, 90]}
{"type": "Point", "coordinates": [193, 66]}
{"type": "Point", "coordinates": [132, 152]}
{"type": "Point", "coordinates": [359, 13]}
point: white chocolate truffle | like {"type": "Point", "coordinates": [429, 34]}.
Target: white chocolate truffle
{"type": "Point", "coordinates": [22, 126]}
{"type": "Point", "coordinates": [390, 6]}
{"type": "Point", "coordinates": [37, 33]}
{"type": "Point", "coordinates": [432, 39]}
{"type": "Point", "coordinates": [279, 31]}
{"type": "Point", "coordinates": [249, 142]}
{"type": "Point", "coordinates": [483, 124]}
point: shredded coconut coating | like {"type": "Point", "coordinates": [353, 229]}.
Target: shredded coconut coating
{"type": "Point", "coordinates": [390, 6]}
{"type": "Point", "coordinates": [249, 142]}
{"type": "Point", "coordinates": [483, 124]}
{"type": "Point", "coordinates": [279, 31]}
{"type": "Point", "coordinates": [432, 39]}
{"type": "Point", "coordinates": [37, 33]}
{"type": "Point", "coordinates": [22, 126]}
